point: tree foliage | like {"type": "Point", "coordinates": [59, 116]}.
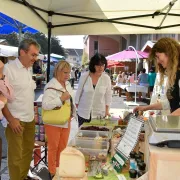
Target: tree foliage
{"type": "Point", "coordinates": [12, 39]}
{"type": "Point", "coordinates": [41, 38]}
{"type": "Point", "coordinates": [85, 59]}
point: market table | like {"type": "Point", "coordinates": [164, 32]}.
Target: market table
{"type": "Point", "coordinates": [109, 123]}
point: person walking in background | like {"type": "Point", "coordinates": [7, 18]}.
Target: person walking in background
{"type": "Point", "coordinates": [166, 54]}
{"type": "Point", "coordinates": [143, 81]}
{"type": "Point", "coordinates": [57, 135]}
{"type": "Point", "coordinates": [19, 113]}
{"type": "Point", "coordinates": [72, 77]}
{"type": "Point", "coordinates": [151, 79]}
{"type": "Point", "coordinates": [76, 74]}
{"type": "Point", "coordinates": [93, 96]}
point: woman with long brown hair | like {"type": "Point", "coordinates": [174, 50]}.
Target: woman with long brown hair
{"type": "Point", "coordinates": [166, 54]}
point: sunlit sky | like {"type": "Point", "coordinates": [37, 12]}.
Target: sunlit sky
{"type": "Point", "coordinates": [72, 41]}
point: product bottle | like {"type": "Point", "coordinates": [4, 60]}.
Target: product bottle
{"type": "Point", "coordinates": [133, 163]}
{"type": "Point", "coordinates": [132, 174]}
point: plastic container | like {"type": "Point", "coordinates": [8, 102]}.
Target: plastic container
{"type": "Point", "coordinates": [93, 150]}
{"type": "Point", "coordinates": [37, 129]}
{"type": "Point", "coordinates": [42, 137]}
{"type": "Point", "coordinates": [91, 135]}
{"type": "Point", "coordinates": [36, 136]}
{"type": "Point", "coordinates": [114, 143]}
{"type": "Point", "coordinates": [41, 128]}
{"type": "Point", "coordinates": [96, 128]}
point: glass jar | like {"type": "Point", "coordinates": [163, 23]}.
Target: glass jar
{"type": "Point", "coordinates": [132, 174]}
{"type": "Point", "coordinates": [132, 161]}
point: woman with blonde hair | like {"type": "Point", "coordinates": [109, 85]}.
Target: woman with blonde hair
{"type": "Point", "coordinates": [166, 53]}
{"type": "Point", "coordinates": [57, 135]}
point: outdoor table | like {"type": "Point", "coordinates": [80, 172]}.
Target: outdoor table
{"type": "Point", "coordinates": [138, 88]}
{"type": "Point", "coordinates": [132, 89]}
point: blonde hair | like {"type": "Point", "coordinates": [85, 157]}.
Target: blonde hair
{"type": "Point", "coordinates": [60, 66]}
{"type": "Point", "coordinates": [171, 48]}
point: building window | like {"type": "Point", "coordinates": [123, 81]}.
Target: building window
{"type": "Point", "coordinates": [95, 46]}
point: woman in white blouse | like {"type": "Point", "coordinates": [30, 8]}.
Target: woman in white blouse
{"type": "Point", "coordinates": [57, 135]}
{"type": "Point", "coordinates": [93, 97]}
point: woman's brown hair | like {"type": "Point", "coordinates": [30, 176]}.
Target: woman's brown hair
{"type": "Point", "coordinates": [172, 50]}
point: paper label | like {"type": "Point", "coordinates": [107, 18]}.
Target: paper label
{"type": "Point", "coordinates": [118, 162]}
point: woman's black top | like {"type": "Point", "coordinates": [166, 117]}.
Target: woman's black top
{"type": "Point", "coordinates": [173, 94]}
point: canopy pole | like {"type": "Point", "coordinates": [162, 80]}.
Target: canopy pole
{"type": "Point", "coordinates": [49, 45]}
{"type": "Point", "coordinates": [137, 60]}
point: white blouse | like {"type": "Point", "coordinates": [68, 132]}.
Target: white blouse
{"type": "Point", "coordinates": [51, 98]}
{"type": "Point", "coordinates": [93, 101]}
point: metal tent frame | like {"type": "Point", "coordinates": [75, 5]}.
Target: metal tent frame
{"type": "Point", "coordinates": [90, 20]}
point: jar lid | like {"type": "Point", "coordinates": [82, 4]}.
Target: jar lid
{"type": "Point", "coordinates": [132, 154]}
{"type": "Point", "coordinates": [142, 166]}
{"type": "Point", "coordinates": [139, 161]}
{"type": "Point", "coordinates": [137, 156]}
{"type": "Point", "coordinates": [132, 173]}
{"type": "Point", "coordinates": [140, 173]}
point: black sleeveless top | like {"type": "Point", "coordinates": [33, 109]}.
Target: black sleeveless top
{"type": "Point", "coordinates": [173, 94]}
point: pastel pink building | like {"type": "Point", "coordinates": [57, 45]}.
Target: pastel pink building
{"type": "Point", "coordinates": [102, 44]}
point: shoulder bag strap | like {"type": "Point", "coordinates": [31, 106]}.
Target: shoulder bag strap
{"type": "Point", "coordinates": [83, 87]}
{"type": "Point", "coordinates": [55, 89]}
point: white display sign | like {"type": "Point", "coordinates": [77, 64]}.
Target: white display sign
{"type": "Point", "coordinates": [130, 138]}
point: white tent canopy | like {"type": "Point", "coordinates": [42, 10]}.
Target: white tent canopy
{"type": "Point", "coordinates": [96, 16]}
{"type": "Point", "coordinates": [8, 51]}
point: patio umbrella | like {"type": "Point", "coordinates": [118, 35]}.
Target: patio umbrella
{"type": "Point", "coordinates": [130, 53]}
{"type": "Point", "coordinates": [114, 64]}
{"type": "Point", "coordinates": [9, 25]}
{"type": "Point", "coordinates": [127, 54]}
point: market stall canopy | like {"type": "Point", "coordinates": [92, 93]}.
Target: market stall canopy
{"type": "Point", "coordinates": [127, 54]}
{"type": "Point", "coordinates": [9, 25]}
{"type": "Point", "coordinates": [8, 51]}
{"type": "Point", "coordinates": [57, 56]}
{"type": "Point", "coordinates": [54, 57]}
{"type": "Point", "coordinates": [92, 17]}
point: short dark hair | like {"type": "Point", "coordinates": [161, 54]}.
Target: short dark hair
{"type": "Point", "coordinates": [143, 70]}
{"type": "Point", "coordinates": [26, 43]}
{"type": "Point", "coordinates": [97, 59]}
{"type": "Point", "coordinates": [152, 69]}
